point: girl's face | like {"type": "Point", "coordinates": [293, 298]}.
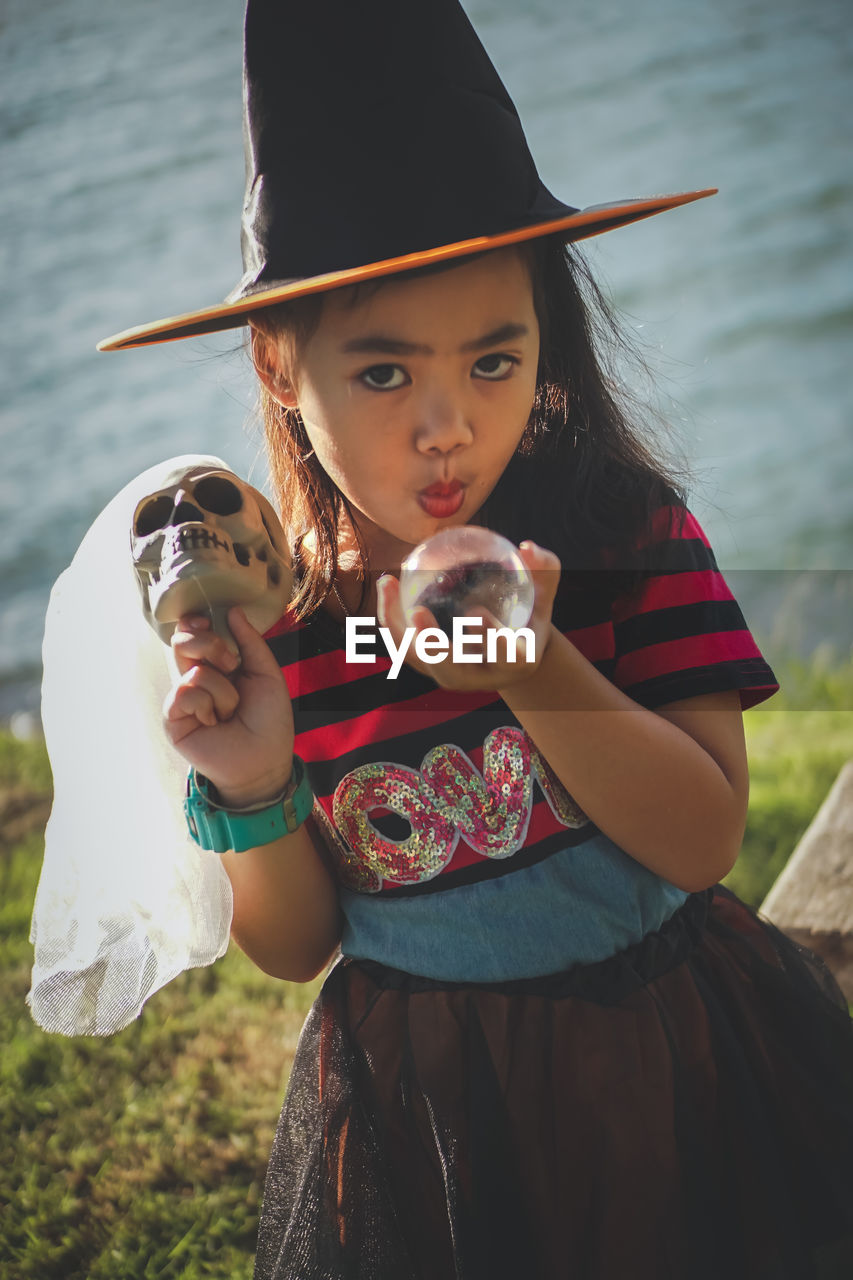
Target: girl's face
{"type": "Point", "coordinates": [415, 397]}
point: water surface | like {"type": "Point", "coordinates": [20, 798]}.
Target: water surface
{"type": "Point", "coordinates": [122, 183]}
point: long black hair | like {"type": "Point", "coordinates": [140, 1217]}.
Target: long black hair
{"type": "Point", "coordinates": [589, 474]}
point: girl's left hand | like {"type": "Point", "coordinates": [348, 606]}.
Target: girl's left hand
{"type": "Point", "coordinates": [544, 568]}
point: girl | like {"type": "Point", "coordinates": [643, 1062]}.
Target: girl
{"type": "Point", "coordinates": [553, 1046]}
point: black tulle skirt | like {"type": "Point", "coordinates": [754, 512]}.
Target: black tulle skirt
{"type": "Point", "coordinates": [682, 1111]}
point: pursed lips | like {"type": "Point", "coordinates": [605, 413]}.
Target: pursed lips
{"type": "Point", "coordinates": [443, 498]}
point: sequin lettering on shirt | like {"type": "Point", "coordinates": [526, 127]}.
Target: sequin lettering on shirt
{"type": "Point", "coordinates": [392, 787]}
{"type": "Point", "coordinates": [493, 810]}
{"type": "Point", "coordinates": [448, 797]}
{"type": "Point", "coordinates": [353, 871]}
{"type": "Point", "coordinates": [561, 803]}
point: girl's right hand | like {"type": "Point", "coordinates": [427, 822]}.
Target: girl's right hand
{"type": "Point", "coordinates": [232, 720]}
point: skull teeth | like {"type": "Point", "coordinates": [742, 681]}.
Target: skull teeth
{"type": "Point", "coordinates": [191, 537]}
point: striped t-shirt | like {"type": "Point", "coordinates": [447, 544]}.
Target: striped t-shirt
{"type": "Point", "coordinates": [461, 856]}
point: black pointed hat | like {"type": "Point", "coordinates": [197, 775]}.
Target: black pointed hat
{"type": "Point", "coordinates": [379, 137]}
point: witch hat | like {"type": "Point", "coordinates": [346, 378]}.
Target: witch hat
{"type": "Point", "coordinates": [379, 137]}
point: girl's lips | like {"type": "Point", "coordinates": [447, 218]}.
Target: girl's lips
{"type": "Point", "coordinates": [442, 499]}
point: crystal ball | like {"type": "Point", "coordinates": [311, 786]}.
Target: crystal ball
{"type": "Point", "coordinates": [460, 571]}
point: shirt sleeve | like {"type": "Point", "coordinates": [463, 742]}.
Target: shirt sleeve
{"type": "Point", "coordinates": [683, 634]}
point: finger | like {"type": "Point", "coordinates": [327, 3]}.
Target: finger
{"type": "Point", "coordinates": [219, 693]}
{"type": "Point", "coordinates": [488, 621]}
{"type": "Point", "coordinates": [258, 659]}
{"type": "Point", "coordinates": [178, 729]}
{"type": "Point", "coordinates": [388, 605]}
{"type": "Point", "coordinates": [422, 618]}
{"type": "Point", "coordinates": [225, 697]}
{"type": "Point", "coordinates": [484, 640]}
{"type": "Point", "coordinates": [537, 559]}
{"type": "Point", "coordinates": [187, 706]}
{"type": "Point", "coordinates": [544, 568]}
{"type": "Point", "coordinates": [194, 641]}
{"type": "Point", "coordinates": [391, 616]}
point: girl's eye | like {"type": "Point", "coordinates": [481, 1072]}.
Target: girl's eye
{"type": "Point", "coordinates": [494, 366]}
{"type": "Point", "coordinates": [383, 377]}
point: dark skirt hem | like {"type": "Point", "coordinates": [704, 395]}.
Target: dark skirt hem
{"type": "Point", "coordinates": [681, 1111]}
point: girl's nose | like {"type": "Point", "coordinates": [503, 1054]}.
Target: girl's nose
{"type": "Point", "coordinates": [442, 423]}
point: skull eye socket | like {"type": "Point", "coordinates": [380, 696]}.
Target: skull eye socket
{"type": "Point", "coordinates": [273, 539]}
{"type": "Point", "coordinates": [154, 515]}
{"type": "Point", "coordinates": [218, 496]}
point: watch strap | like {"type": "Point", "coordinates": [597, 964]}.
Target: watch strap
{"type": "Point", "coordinates": [214, 827]}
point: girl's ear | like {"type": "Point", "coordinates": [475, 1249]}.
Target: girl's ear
{"type": "Point", "coordinates": [269, 365]}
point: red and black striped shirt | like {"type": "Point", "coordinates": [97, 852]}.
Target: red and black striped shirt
{"type": "Point", "coordinates": [679, 634]}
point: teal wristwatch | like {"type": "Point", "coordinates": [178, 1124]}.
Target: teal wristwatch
{"type": "Point", "coordinates": [214, 827]}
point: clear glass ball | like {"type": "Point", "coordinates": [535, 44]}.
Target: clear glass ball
{"type": "Point", "coordinates": [462, 570]}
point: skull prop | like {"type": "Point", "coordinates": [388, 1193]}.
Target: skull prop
{"type": "Point", "coordinates": [206, 541]}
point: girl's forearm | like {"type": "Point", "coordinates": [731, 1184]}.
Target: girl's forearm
{"type": "Point", "coordinates": [646, 783]}
{"type": "Point", "coordinates": [286, 914]}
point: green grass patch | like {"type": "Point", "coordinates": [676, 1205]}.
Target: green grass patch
{"type": "Point", "coordinates": [143, 1155]}
{"type": "Point", "coordinates": [797, 742]}
{"type": "Point", "coordinates": [23, 764]}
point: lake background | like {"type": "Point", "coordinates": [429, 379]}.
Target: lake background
{"type": "Point", "coordinates": [121, 179]}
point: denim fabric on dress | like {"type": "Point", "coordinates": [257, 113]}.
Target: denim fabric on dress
{"type": "Point", "coordinates": [580, 905]}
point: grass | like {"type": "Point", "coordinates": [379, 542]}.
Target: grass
{"type": "Point", "coordinates": [143, 1155]}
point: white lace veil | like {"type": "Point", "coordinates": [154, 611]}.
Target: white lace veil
{"type": "Point", "coordinates": [126, 901]}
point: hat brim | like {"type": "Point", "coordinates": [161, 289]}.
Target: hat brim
{"type": "Point", "coordinates": [591, 221]}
